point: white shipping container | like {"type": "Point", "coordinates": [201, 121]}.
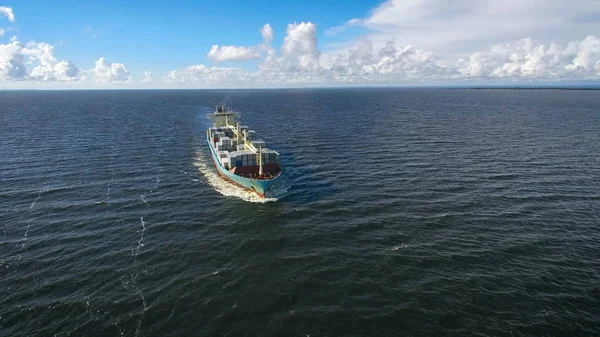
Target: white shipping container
{"type": "Point", "coordinates": [258, 143]}
{"type": "Point", "coordinates": [235, 154]}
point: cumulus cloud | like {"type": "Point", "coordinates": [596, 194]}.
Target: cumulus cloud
{"type": "Point", "coordinates": [8, 12]}
{"type": "Point", "coordinates": [107, 72]}
{"type": "Point", "coordinates": [267, 33]}
{"type": "Point", "coordinates": [16, 56]}
{"type": "Point", "coordinates": [407, 42]}
{"type": "Point", "coordinates": [219, 53]}
{"type": "Point", "coordinates": [300, 62]}
{"type": "Point", "coordinates": [50, 69]}
{"type": "Point", "coordinates": [232, 53]}
{"type": "Point", "coordinates": [300, 45]}
{"type": "Point", "coordinates": [35, 62]}
{"type": "Point", "coordinates": [388, 64]}
{"type": "Point", "coordinates": [12, 61]}
{"type": "Point", "coordinates": [526, 59]}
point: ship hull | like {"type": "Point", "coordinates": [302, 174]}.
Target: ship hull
{"type": "Point", "coordinates": [260, 187]}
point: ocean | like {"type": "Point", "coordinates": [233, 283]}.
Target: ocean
{"type": "Point", "coordinates": [401, 212]}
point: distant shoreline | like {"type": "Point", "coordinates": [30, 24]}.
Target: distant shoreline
{"type": "Point", "coordinates": [524, 88]}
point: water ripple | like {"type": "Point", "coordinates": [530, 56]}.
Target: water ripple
{"type": "Point", "coordinates": [400, 212]}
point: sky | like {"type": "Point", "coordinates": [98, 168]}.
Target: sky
{"type": "Point", "coordinates": [240, 44]}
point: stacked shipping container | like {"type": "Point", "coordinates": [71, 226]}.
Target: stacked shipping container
{"type": "Point", "coordinates": [233, 155]}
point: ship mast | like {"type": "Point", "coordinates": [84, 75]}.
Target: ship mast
{"type": "Point", "coordinates": [260, 162]}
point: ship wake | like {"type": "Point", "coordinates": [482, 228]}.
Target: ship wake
{"type": "Point", "coordinates": [206, 167]}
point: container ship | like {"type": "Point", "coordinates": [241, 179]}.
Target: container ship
{"type": "Point", "coordinates": [238, 155]}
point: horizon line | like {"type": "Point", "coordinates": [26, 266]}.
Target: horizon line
{"type": "Point", "coordinates": [595, 86]}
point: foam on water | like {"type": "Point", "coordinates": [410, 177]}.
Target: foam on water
{"type": "Point", "coordinates": [206, 167]}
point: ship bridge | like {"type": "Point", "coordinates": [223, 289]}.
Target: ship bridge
{"type": "Point", "coordinates": [223, 117]}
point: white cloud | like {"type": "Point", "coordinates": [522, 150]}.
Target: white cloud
{"type": "Point", "coordinates": [107, 72]}
{"type": "Point", "coordinates": [300, 45]}
{"type": "Point", "coordinates": [450, 27]}
{"type": "Point", "coordinates": [147, 77]}
{"type": "Point", "coordinates": [387, 65]}
{"type": "Point", "coordinates": [267, 33]}
{"type": "Point", "coordinates": [50, 69]}
{"type": "Point", "coordinates": [12, 61]}
{"type": "Point", "coordinates": [301, 63]}
{"type": "Point", "coordinates": [8, 12]}
{"type": "Point", "coordinates": [232, 53]}
{"type": "Point", "coordinates": [35, 63]}
{"type": "Point", "coordinates": [339, 29]}
{"type": "Point", "coordinates": [407, 42]}
{"type": "Point", "coordinates": [203, 76]}
{"type": "Point", "coordinates": [219, 53]}
{"type": "Point", "coordinates": [587, 58]}
{"type": "Point", "coordinates": [15, 57]}
{"type": "Point", "coordinates": [526, 59]}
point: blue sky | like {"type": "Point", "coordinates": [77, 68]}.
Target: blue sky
{"type": "Point", "coordinates": [75, 44]}
{"type": "Point", "coordinates": [145, 34]}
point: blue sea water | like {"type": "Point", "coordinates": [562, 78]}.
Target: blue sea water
{"type": "Point", "coordinates": [402, 212]}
